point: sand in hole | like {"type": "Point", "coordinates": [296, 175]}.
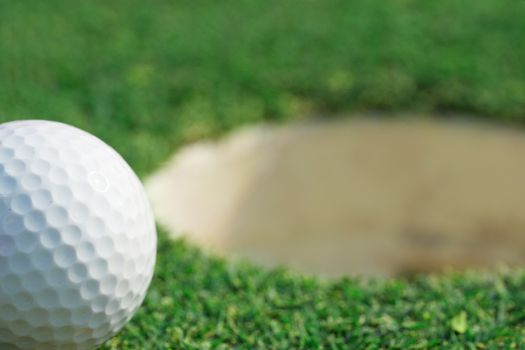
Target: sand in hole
{"type": "Point", "coordinates": [352, 197]}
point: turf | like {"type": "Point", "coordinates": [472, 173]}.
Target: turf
{"type": "Point", "coordinates": [201, 302]}
{"type": "Point", "coordinates": [148, 77]}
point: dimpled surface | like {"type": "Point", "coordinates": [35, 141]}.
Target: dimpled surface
{"type": "Point", "coordinates": [77, 238]}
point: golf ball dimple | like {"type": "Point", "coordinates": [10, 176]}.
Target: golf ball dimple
{"type": "Point", "coordinates": [77, 238]}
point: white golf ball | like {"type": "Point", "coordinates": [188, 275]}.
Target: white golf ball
{"type": "Point", "coordinates": [77, 238]}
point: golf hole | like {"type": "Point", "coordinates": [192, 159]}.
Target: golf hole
{"type": "Point", "coordinates": [352, 197]}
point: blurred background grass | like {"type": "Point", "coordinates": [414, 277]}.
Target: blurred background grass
{"type": "Point", "coordinates": [149, 76]}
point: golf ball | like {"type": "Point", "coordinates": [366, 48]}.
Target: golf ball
{"type": "Point", "coordinates": [77, 238]}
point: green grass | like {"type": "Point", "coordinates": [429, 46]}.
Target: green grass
{"type": "Point", "coordinates": [198, 302]}
{"type": "Point", "coordinates": [150, 76]}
